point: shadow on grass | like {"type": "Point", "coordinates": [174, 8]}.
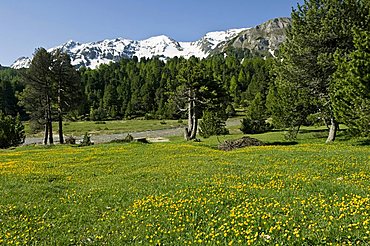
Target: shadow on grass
{"type": "Point", "coordinates": [312, 130]}
{"type": "Point", "coordinates": [282, 143]}
{"type": "Point", "coordinates": [365, 142]}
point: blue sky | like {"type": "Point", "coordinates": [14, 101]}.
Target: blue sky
{"type": "Point", "coordinates": [29, 24]}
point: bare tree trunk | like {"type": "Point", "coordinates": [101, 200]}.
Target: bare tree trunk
{"type": "Point", "coordinates": [186, 134]}
{"type": "Point", "coordinates": [49, 122]}
{"type": "Point", "coordinates": [190, 119]}
{"type": "Point", "coordinates": [193, 130]}
{"type": "Point", "coordinates": [193, 133]}
{"type": "Point", "coordinates": [60, 130]}
{"type": "Point", "coordinates": [60, 119]}
{"type": "Point", "coordinates": [60, 116]}
{"type": "Point", "coordinates": [190, 124]}
{"type": "Point", "coordinates": [46, 132]}
{"type": "Point", "coordinates": [51, 140]}
{"type": "Point", "coordinates": [333, 130]}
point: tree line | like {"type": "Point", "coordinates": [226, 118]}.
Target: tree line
{"type": "Point", "coordinates": [152, 88]}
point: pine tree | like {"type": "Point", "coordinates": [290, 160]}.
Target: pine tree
{"type": "Point", "coordinates": [11, 131]}
{"type": "Point", "coordinates": [212, 124]}
{"type": "Point", "coordinates": [110, 100]}
{"type": "Point", "coordinates": [37, 96]}
{"type": "Point", "coordinates": [351, 90]}
{"type": "Point", "coordinates": [199, 91]}
{"type": "Point", "coordinates": [52, 88]}
{"type": "Point", "coordinates": [306, 65]}
{"type": "Point", "coordinates": [256, 116]}
{"type": "Point", "coordinates": [68, 86]}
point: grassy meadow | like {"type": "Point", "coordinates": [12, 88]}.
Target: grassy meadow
{"type": "Point", "coordinates": [79, 128]}
{"type": "Point", "coordinates": [182, 193]}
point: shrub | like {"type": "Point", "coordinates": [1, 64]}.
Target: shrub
{"type": "Point", "coordinates": [212, 124]}
{"type": "Point", "coordinates": [70, 140]}
{"type": "Point", "coordinates": [230, 111]}
{"type": "Point", "coordinates": [255, 121]}
{"type": "Point", "coordinates": [97, 114]}
{"type": "Point", "coordinates": [86, 141]}
{"type": "Point", "coordinates": [292, 133]}
{"type": "Point", "coordinates": [100, 122]}
{"type": "Point", "coordinates": [149, 116]}
{"type": "Point", "coordinates": [249, 126]}
{"type": "Point", "coordinates": [11, 131]}
{"type": "Point", "coordinates": [128, 139]}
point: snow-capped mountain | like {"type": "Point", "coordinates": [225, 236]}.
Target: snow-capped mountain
{"type": "Point", "coordinates": [21, 62]}
{"type": "Point", "coordinates": [102, 52]}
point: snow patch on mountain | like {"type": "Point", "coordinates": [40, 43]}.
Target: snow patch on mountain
{"type": "Point", "coordinates": [266, 37]}
{"type": "Point", "coordinates": [93, 54]}
{"type": "Point", "coordinates": [22, 62]}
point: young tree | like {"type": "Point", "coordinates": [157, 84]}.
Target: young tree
{"type": "Point", "coordinates": [11, 131]}
{"type": "Point", "coordinates": [319, 29]}
{"type": "Point", "coordinates": [212, 124]}
{"type": "Point", "coordinates": [256, 116]}
{"type": "Point", "coordinates": [8, 100]}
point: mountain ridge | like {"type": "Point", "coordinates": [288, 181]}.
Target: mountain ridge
{"type": "Point", "coordinates": [267, 36]}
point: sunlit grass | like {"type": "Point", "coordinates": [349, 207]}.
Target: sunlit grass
{"type": "Point", "coordinates": [186, 193]}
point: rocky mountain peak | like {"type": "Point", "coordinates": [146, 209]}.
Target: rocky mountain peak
{"type": "Point", "coordinates": [265, 37]}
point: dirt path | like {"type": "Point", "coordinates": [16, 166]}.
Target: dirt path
{"type": "Point", "coordinates": [145, 134]}
{"type": "Point", "coordinates": [109, 137]}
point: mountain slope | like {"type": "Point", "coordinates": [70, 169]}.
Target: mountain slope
{"type": "Point", "coordinates": [267, 36]}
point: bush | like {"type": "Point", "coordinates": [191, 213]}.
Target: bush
{"type": "Point", "coordinates": [11, 131]}
{"type": "Point", "coordinates": [149, 116]}
{"type": "Point", "coordinates": [249, 126]}
{"type": "Point", "coordinates": [230, 111]}
{"type": "Point", "coordinates": [97, 114]}
{"type": "Point", "coordinates": [212, 124]}
{"type": "Point", "coordinates": [86, 141]}
{"type": "Point", "coordinates": [128, 139]}
{"type": "Point", "coordinates": [70, 140]}
{"type": "Point", "coordinates": [100, 122]}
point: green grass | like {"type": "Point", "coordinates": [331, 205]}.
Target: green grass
{"type": "Point", "coordinates": [109, 127]}
{"type": "Point", "coordinates": [185, 192]}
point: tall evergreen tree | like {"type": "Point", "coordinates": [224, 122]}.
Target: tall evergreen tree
{"type": "Point", "coordinates": [199, 90]}
{"type": "Point", "coordinates": [66, 80]}
{"type": "Point", "coordinates": [351, 90]}
{"type": "Point", "coordinates": [319, 29]}
{"type": "Point", "coordinates": [37, 96]}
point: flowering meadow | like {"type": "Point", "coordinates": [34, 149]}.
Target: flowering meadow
{"type": "Point", "coordinates": [185, 193]}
